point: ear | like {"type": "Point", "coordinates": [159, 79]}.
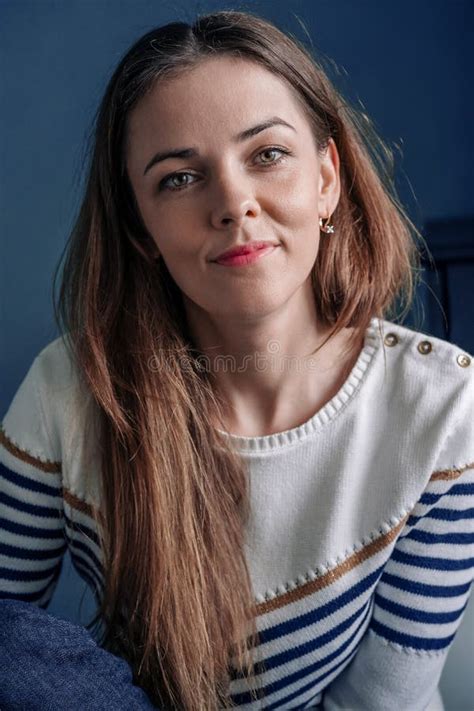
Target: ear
{"type": "Point", "coordinates": [329, 181]}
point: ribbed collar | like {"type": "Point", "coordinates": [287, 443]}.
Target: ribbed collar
{"type": "Point", "coordinates": [327, 413]}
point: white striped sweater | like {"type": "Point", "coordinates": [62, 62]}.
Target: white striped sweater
{"type": "Point", "coordinates": [361, 540]}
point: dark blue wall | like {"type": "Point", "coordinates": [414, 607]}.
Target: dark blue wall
{"type": "Point", "coordinates": [409, 63]}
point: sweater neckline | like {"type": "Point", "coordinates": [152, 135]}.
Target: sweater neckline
{"type": "Point", "coordinates": [326, 414]}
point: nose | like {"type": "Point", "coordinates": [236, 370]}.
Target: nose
{"type": "Point", "coordinates": [234, 200]}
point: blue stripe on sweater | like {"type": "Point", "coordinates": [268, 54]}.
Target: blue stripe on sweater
{"type": "Point", "coordinates": [31, 553]}
{"type": "Point", "coordinates": [304, 671]}
{"type": "Point", "coordinates": [82, 528]}
{"type": "Point", "coordinates": [456, 490]}
{"type": "Point", "coordinates": [30, 484]}
{"type": "Point", "coordinates": [417, 588]}
{"type": "Point", "coordinates": [433, 538]}
{"type": "Point", "coordinates": [33, 596]}
{"type": "Point", "coordinates": [429, 562]}
{"type": "Point", "coordinates": [406, 640]}
{"type": "Point", "coordinates": [443, 515]}
{"type": "Point", "coordinates": [79, 558]}
{"type": "Point", "coordinates": [410, 613]}
{"type": "Point", "coordinates": [316, 615]}
{"type": "Point", "coordinates": [30, 531]}
{"type": "Point", "coordinates": [282, 703]}
{"type": "Point", "coordinates": [316, 642]}
{"type": "Point", "coordinates": [85, 575]}
{"type": "Point", "coordinates": [79, 545]}
{"type": "Point", "coordinates": [26, 575]}
{"type": "Point", "coordinates": [33, 509]}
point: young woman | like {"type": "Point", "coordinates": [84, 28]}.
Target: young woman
{"type": "Point", "coordinates": [266, 480]}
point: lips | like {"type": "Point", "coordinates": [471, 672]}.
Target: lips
{"type": "Point", "coordinates": [243, 249]}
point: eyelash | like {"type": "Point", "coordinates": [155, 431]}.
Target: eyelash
{"type": "Point", "coordinates": [285, 153]}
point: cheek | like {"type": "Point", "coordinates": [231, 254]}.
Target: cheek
{"type": "Point", "coordinates": [297, 212]}
{"type": "Point", "coordinates": [171, 229]}
{"type": "Point", "coordinates": [296, 199]}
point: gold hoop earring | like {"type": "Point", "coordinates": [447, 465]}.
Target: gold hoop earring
{"type": "Point", "coordinates": [327, 228]}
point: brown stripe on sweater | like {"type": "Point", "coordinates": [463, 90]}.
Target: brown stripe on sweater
{"type": "Point", "coordinates": [24, 456]}
{"type": "Point", "coordinates": [332, 575]}
{"type": "Point", "coordinates": [76, 503]}
{"type": "Point", "coordinates": [453, 473]}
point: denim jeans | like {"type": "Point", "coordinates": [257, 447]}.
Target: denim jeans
{"type": "Point", "coordinates": [50, 664]}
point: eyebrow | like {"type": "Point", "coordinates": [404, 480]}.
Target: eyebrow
{"type": "Point", "coordinates": [243, 136]}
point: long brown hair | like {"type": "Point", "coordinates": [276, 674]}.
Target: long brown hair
{"type": "Point", "coordinates": [178, 601]}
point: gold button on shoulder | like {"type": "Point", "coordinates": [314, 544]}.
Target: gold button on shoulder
{"type": "Point", "coordinates": [463, 360]}
{"type": "Point", "coordinates": [425, 347]}
{"type": "Point", "coordinates": [391, 339]}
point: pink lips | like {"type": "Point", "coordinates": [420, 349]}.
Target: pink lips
{"type": "Point", "coordinates": [249, 257]}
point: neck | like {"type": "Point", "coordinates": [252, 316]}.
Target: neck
{"type": "Point", "coordinates": [272, 369]}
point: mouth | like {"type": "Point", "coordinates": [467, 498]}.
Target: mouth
{"type": "Point", "coordinates": [246, 257]}
{"type": "Point", "coordinates": [245, 248]}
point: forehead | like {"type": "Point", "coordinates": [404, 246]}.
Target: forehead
{"type": "Point", "coordinates": [219, 97]}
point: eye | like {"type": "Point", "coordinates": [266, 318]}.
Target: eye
{"type": "Point", "coordinates": [274, 149]}
{"type": "Point", "coordinates": [165, 183]}
{"type": "Point", "coordinates": [164, 186]}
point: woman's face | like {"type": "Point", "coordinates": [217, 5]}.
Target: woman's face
{"type": "Point", "coordinates": [268, 185]}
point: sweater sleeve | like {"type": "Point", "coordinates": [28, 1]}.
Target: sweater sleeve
{"type": "Point", "coordinates": [418, 604]}
{"type": "Point", "coordinates": [32, 539]}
